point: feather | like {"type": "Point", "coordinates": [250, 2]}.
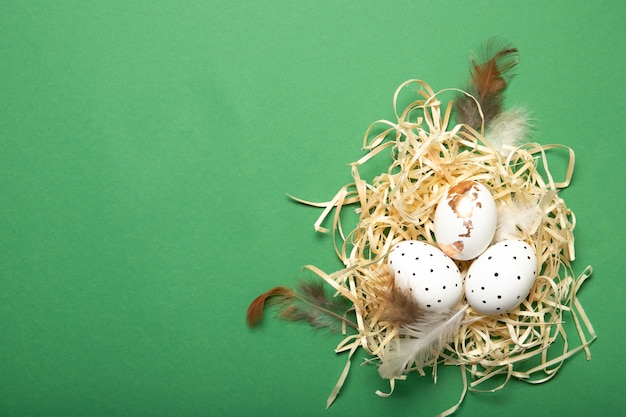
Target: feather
{"type": "Point", "coordinates": [519, 217]}
{"type": "Point", "coordinates": [508, 130]}
{"type": "Point", "coordinates": [397, 305]}
{"type": "Point", "coordinates": [309, 304]}
{"type": "Point", "coordinates": [490, 74]}
{"type": "Point", "coordinates": [425, 339]}
{"type": "Point", "coordinates": [254, 314]}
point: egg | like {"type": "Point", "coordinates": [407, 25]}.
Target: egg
{"type": "Point", "coordinates": [501, 278]}
{"type": "Point", "coordinates": [465, 220]}
{"type": "Point", "coordinates": [423, 270]}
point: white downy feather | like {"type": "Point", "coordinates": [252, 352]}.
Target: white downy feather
{"type": "Point", "coordinates": [427, 338]}
{"type": "Point", "coordinates": [508, 130]}
{"type": "Point", "coordinates": [516, 217]}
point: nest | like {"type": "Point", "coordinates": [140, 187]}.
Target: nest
{"type": "Point", "coordinates": [428, 156]}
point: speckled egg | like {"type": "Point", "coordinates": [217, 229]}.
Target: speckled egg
{"type": "Point", "coordinates": [465, 220]}
{"type": "Point", "coordinates": [501, 278]}
{"type": "Point", "coordinates": [431, 277]}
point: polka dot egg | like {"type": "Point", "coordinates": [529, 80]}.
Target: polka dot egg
{"type": "Point", "coordinates": [501, 278]}
{"type": "Point", "coordinates": [424, 271]}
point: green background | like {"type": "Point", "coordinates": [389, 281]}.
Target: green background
{"type": "Point", "coordinates": [146, 149]}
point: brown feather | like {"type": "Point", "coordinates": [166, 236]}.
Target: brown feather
{"type": "Point", "coordinates": [490, 74]}
{"type": "Point", "coordinates": [398, 307]}
{"type": "Point", "coordinates": [309, 304]}
{"type": "Point", "coordinates": [255, 310]}
{"type": "Point", "coordinates": [489, 77]}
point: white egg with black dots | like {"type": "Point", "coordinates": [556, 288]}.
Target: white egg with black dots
{"type": "Point", "coordinates": [501, 278]}
{"type": "Point", "coordinates": [425, 272]}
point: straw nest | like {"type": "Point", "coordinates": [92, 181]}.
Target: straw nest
{"type": "Point", "coordinates": [427, 156]}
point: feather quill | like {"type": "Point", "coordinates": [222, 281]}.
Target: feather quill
{"type": "Point", "coordinates": [490, 73]}
{"type": "Point", "coordinates": [423, 340]}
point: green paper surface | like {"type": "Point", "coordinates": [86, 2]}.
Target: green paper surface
{"type": "Point", "coordinates": [146, 149]}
